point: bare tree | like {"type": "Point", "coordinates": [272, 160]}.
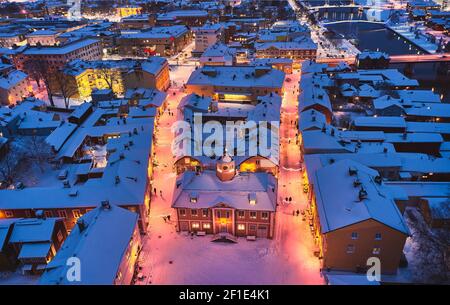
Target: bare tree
{"type": "Point", "coordinates": [429, 247]}
{"type": "Point", "coordinates": [10, 161]}
{"type": "Point", "coordinates": [38, 150]}
{"type": "Point", "coordinates": [108, 75]}
{"type": "Point", "coordinates": [40, 72]}
{"type": "Point", "coordinates": [65, 86]}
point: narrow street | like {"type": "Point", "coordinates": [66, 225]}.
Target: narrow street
{"type": "Point", "coordinates": [286, 259]}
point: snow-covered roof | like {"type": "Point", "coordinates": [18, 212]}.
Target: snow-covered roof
{"type": "Point", "coordinates": [60, 135]}
{"type": "Point", "coordinates": [380, 121]}
{"type": "Point", "coordinates": [30, 230]}
{"type": "Point", "coordinates": [235, 193]}
{"type": "Point", "coordinates": [11, 79]}
{"type": "Point", "coordinates": [62, 49]}
{"type": "Point", "coordinates": [311, 119]}
{"type": "Point", "coordinates": [372, 55]}
{"type": "Point", "coordinates": [101, 247]}
{"type": "Point", "coordinates": [341, 202]}
{"type": "Point", "coordinates": [34, 250]}
{"type": "Point", "coordinates": [81, 110]}
{"type": "Point", "coordinates": [156, 32]}
{"type": "Point", "coordinates": [127, 161]}
{"type": "Point", "coordinates": [305, 44]}
{"type": "Point", "coordinates": [237, 76]}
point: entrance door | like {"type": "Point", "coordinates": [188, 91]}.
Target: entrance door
{"type": "Point", "coordinates": [223, 228]}
{"type": "Point", "coordinates": [262, 231]}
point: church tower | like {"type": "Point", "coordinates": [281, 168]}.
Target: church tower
{"type": "Point", "coordinates": [225, 168]}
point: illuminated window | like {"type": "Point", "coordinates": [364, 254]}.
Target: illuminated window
{"type": "Point", "coordinates": [9, 214]}
{"type": "Point", "coordinates": [62, 213]}
{"type": "Point", "coordinates": [253, 215]}
{"type": "Point", "coordinates": [241, 214]}
{"type": "Point", "coordinates": [76, 213]}
{"type": "Point", "coordinates": [350, 249]}
{"type": "Point", "coordinates": [376, 250]}
{"type": "Point", "coordinates": [205, 213]}
{"type": "Point", "coordinates": [241, 227]}
{"type": "Point", "coordinates": [354, 235]}
{"type": "Point", "coordinates": [264, 215]}
{"type": "Point", "coordinates": [195, 225]}
{"type": "Point", "coordinates": [206, 226]}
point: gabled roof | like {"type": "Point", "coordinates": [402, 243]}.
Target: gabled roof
{"type": "Point", "coordinates": [100, 247]}
{"type": "Point", "coordinates": [339, 202]}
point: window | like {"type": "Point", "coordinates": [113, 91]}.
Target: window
{"type": "Point", "coordinates": [377, 236]}
{"type": "Point", "coordinates": [9, 214]}
{"type": "Point", "coordinates": [194, 212]}
{"type": "Point", "coordinates": [354, 235]}
{"type": "Point", "coordinates": [241, 214]}
{"type": "Point", "coordinates": [195, 225]}
{"type": "Point", "coordinates": [376, 250]}
{"type": "Point", "coordinates": [252, 227]}
{"type": "Point", "coordinates": [59, 236]}
{"type": "Point", "coordinates": [48, 214]}
{"type": "Point", "coordinates": [62, 213]}
{"type": "Point", "coordinates": [264, 215]}
{"type": "Point", "coordinates": [227, 214]}
{"type": "Point", "coordinates": [206, 226]}
{"type": "Point", "coordinates": [76, 213]}
{"type": "Point", "coordinates": [253, 215]}
{"type": "Point", "coordinates": [182, 212]}
{"type": "Point", "coordinates": [241, 227]}
{"type": "Point", "coordinates": [205, 213]}
{"type": "Point", "coordinates": [350, 249]}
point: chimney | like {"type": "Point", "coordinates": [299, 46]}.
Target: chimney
{"type": "Point", "coordinates": [81, 224]}
{"type": "Point", "coordinates": [40, 214]}
{"type": "Point", "coordinates": [106, 205]}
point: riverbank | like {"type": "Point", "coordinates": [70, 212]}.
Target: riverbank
{"type": "Point", "coordinates": [419, 41]}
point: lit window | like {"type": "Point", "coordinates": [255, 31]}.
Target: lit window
{"type": "Point", "coordinates": [376, 250]}
{"type": "Point", "coordinates": [241, 227]}
{"type": "Point", "coordinates": [205, 213]}
{"type": "Point", "coordinates": [62, 214]}
{"type": "Point", "coordinates": [9, 214]}
{"type": "Point", "coordinates": [377, 236]}
{"type": "Point", "coordinates": [350, 249]}
{"type": "Point", "coordinates": [241, 214]}
{"type": "Point", "coordinates": [354, 235]}
{"type": "Point", "coordinates": [76, 213]}
{"type": "Point", "coordinates": [253, 215]}
{"type": "Point", "coordinates": [264, 215]}
{"type": "Point", "coordinates": [206, 226]}
{"type": "Point", "coordinates": [195, 225]}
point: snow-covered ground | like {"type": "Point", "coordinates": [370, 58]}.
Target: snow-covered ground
{"type": "Point", "coordinates": [421, 40]}
{"type": "Point", "coordinates": [169, 257]}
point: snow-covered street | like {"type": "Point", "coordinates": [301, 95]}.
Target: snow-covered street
{"type": "Point", "coordinates": [175, 258]}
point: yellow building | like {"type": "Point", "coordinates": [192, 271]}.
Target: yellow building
{"type": "Point", "coordinates": [126, 11]}
{"type": "Point", "coordinates": [118, 75]}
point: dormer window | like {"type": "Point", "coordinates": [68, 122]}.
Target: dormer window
{"type": "Point", "coordinates": [252, 199]}
{"type": "Point", "coordinates": [193, 197]}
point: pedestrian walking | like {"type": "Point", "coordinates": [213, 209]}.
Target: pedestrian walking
{"type": "Point", "coordinates": [160, 193]}
{"type": "Point", "coordinates": [154, 190]}
{"type": "Point", "coordinates": [290, 199]}
{"type": "Point", "coordinates": [168, 217]}
{"type": "Point", "coordinates": [298, 212]}
{"type": "Point", "coordinates": [165, 219]}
